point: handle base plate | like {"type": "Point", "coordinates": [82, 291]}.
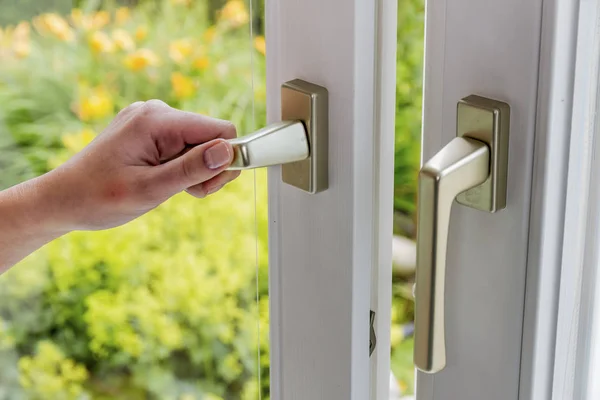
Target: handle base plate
{"type": "Point", "coordinates": [308, 103]}
{"type": "Point", "coordinates": [488, 121]}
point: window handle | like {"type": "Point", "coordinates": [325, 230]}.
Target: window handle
{"type": "Point", "coordinates": [299, 143]}
{"type": "Point", "coordinates": [279, 143]}
{"type": "Point", "coordinates": [472, 168]}
{"type": "Point", "coordinates": [461, 165]}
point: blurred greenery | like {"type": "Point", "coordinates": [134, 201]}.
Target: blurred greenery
{"type": "Point", "coordinates": [164, 307]}
{"type": "Point", "coordinates": [409, 88]}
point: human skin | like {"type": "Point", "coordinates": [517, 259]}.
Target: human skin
{"type": "Point", "coordinates": [147, 154]}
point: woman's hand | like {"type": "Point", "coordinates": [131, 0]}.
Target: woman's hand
{"type": "Point", "coordinates": [148, 153]}
{"type": "Point", "coordinates": [140, 160]}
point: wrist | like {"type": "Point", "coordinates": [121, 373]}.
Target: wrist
{"type": "Point", "coordinates": [37, 210]}
{"type": "Point", "coordinates": [27, 223]}
{"type": "Point", "coordinates": [49, 204]}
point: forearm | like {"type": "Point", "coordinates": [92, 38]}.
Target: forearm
{"type": "Point", "coordinates": [28, 220]}
{"type": "Point", "coordinates": [137, 163]}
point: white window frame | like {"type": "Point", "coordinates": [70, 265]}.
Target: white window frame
{"type": "Point", "coordinates": [488, 48]}
{"type": "Point", "coordinates": [561, 323]}
{"type": "Point", "coordinates": [330, 253]}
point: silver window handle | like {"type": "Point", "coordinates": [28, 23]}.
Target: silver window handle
{"type": "Point", "coordinates": [471, 168]}
{"type": "Point", "coordinates": [299, 142]}
{"type": "Point", "coordinates": [461, 165]}
{"type": "Point", "coordinates": [279, 143]}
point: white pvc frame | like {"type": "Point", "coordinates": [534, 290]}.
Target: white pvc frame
{"type": "Point", "coordinates": [561, 342]}
{"type": "Point", "coordinates": [330, 253]}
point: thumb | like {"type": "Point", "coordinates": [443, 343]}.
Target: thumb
{"type": "Point", "coordinates": [198, 165]}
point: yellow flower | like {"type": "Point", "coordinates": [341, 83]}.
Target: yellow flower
{"type": "Point", "coordinates": [101, 43]}
{"type": "Point", "coordinates": [122, 15]}
{"type": "Point", "coordinates": [19, 32]}
{"type": "Point", "coordinates": [77, 17]}
{"type": "Point", "coordinates": [183, 86]}
{"type": "Point", "coordinates": [141, 59]}
{"type": "Point", "coordinates": [260, 44]}
{"type": "Point", "coordinates": [235, 13]}
{"type": "Point", "coordinates": [209, 34]}
{"type": "Point", "coordinates": [95, 21]}
{"type": "Point", "coordinates": [95, 104]}
{"type": "Point", "coordinates": [22, 49]}
{"type": "Point", "coordinates": [141, 32]}
{"type": "Point", "coordinates": [75, 142]}
{"type": "Point", "coordinates": [100, 19]}
{"type": "Point", "coordinates": [123, 39]}
{"type": "Point", "coordinates": [180, 49]}
{"type": "Point", "coordinates": [21, 45]}
{"type": "Point", "coordinates": [201, 62]}
{"type": "Point", "coordinates": [403, 386]}
{"type": "Point", "coordinates": [54, 24]}
{"type": "Point", "coordinates": [22, 31]}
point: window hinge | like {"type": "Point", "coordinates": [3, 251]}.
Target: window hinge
{"type": "Point", "coordinates": [372, 338]}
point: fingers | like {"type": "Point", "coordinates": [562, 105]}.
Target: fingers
{"type": "Point", "coordinates": [172, 130]}
{"type": "Point", "coordinates": [197, 166]}
{"type": "Point", "coordinates": [190, 128]}
{"type": "Point", "coordinates": [186, 150]}
{"type": "Point", "coordinates": [212, 185]}
{"type": "Point", "coordinates": [197, 128]}
{"type": "Point", "coordinates": [175, 130]}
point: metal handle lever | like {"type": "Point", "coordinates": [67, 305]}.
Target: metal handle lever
{"type": "Point", "coordinates": [300, 142]}
{"type": "Point", "coordinates": [279, 143]}
{"type": "Point", "coordinates": [473, 169]}
{"type": "Point", "coordinates": [461, 165]}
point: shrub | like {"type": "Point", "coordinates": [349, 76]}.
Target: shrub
{"type": "Point", "coordinates": [409, 87]}
{"type": "Point", "coordinates": [165, 306]}
{"type": "Point", "coordinates": [407, 158]}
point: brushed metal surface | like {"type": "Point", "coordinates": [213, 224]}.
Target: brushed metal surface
{"type": "Point", "coordinates": [299, 143]}
{"type": "Point", "coordinates": [278, 143]}
{"type": "Point", "coordinates": [460, 165]}
{"type": "Point", "coordinates": [308, 103]}
{"type": "Point", "coordinates": [486, 120]}
{"type": "Point", "coordinates": [473, 169]}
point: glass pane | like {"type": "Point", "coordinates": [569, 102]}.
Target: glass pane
{"type": "Point", "coordinates": [409, 89]}
{"type": "Point", "coordinates": [167, 306]}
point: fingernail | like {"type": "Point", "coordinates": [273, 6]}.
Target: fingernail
{"type": "Point", "coordinates": [217, 156]}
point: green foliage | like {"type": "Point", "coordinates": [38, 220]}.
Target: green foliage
{"type": "Point", "coordinates": [49, 374]}
{"type": "Point", "coordinates": [170, 297]}
{"type": "Point", "coordinates": [402, 365]}
{"type": "Point", "coordinates": [17, 10]}
{"type": "Point", "coordinates": [34, 113]}
{"type": "Point", "coordinates": [164, 307]}
{"type": "Point", "coordinates": [409, 89]}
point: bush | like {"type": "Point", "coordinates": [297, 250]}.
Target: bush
{"type": "Point", "coordinates": [164, 307]}
{"type": "Point", "coordinates": [407, 159]}
{"type": "Point", "coordinates": [409, 88]}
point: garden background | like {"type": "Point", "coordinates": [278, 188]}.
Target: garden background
{"type": "Point", "coordinates": [164, 307]}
